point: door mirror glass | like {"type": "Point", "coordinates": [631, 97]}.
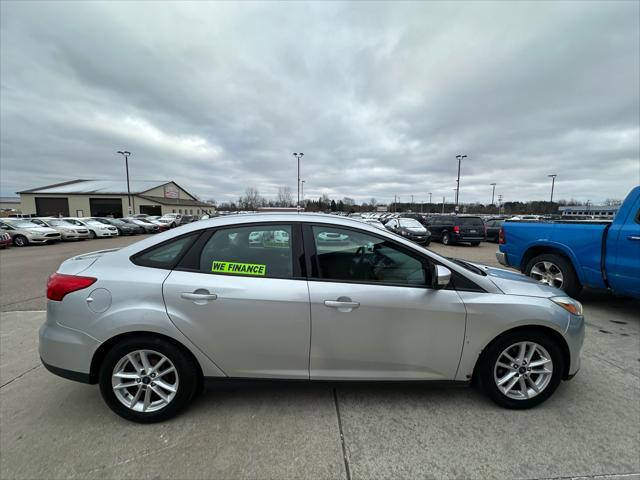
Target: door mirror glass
{"type": "Point", "coordinates": [441, 277]}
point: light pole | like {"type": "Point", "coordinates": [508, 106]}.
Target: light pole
{"type": "Point", "coordinates": [302, 190]}
{"type": "Point", "coordinates": [493, 193]}
{"type": "Point", "coordinates": [429, 197]}
{"type": "Point", "coordinates": [443, 204]}
{"type": "Point", "coordinates": [298, 156]}
{"type": "Point", "coordinates": [126, 163]}
{"type": "Point", "coordinates": [459, 157]}
{"type": "Point", "coordinates": [412, 203]}
{"type": "Point", "coordinates": [553, 182]}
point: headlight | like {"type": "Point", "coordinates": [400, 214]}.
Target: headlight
{"type": "Point", "coordinates": [569, 304]}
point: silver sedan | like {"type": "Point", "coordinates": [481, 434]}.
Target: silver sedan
{"type": "Point", "coordinates": [151, 321]}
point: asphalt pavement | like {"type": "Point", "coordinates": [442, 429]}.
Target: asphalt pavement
{"type": "Point", "coordinates": [53, 428]}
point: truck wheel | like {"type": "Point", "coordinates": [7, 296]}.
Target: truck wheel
{"type": "Point", "coordinates": [446, 238]}
{"type": "Point", "coordinates": [555, 271]}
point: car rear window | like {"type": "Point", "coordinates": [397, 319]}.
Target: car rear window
{"type": "Point", "coordinates": [470, 221]}
{"type": "Point", "coordinates": [167, 254]}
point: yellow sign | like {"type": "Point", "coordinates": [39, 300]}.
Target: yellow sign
{"type": "Point", "coordinates": [239, 268]}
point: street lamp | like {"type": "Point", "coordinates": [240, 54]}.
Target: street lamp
{"type": "Point", "coordinates": [493, 193]}
{"type": "Point", "coordinates": [302, 190]}
{"type": "Point", "coordinates": [298, 156]}
{"type": "Point", "coordinates": [459, 157]}
{"type": "Point", "coordinates": [126, 154]}
{"type": "Point", "coordinates": [553, 182]}
{"type": "Point", "coordinates": [429, 197]}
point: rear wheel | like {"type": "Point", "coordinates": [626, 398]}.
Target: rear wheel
{"type": "Point", "coordinates": [521, 369]}
{"type": "Point", "coordinates": [92, 234]}
{"type": "Point", "coordinates": [475, 244]}
{"type": "Point", "coordinates": [20, 241]}
{"type": "Point", "coordinates": [446, 238]}
{"type": "Point", "coordinates": [148, 379]}
{"type": "Point", "coordinates": [555, 271]}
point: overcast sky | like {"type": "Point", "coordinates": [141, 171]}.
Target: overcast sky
{"type": "Point", "coordinates": [380, 97]}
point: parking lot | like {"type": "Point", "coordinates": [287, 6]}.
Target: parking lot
{"type": "Point", "coordinates": [54, 428]}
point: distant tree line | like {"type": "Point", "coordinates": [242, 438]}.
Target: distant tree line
{"type": "Point", "coordinates": [252, 200]}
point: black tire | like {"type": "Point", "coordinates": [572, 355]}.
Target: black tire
{"type": "Point", "coordinates": [92, 235]}
{"type": "Point", "coordinates": [446, 238]}
{"type": "Point", "coordinates": [475, 244]}
{"type": "Point", "coordinates": [20, 241]}
{"type": "Point", "coordinates": [570, 284]}
{"type": "Point", "coordinates": [188, 374]}
{"type": "Point", "coordinates": [427, 243]}
{"type": "Point", "coordinates": [489, 357]}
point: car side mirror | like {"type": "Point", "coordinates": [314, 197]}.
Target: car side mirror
{"type": "Point", "coordinates": [440, 277]}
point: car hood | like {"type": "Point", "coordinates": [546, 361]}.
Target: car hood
{"type": "Point", "coordinates": [418, 230]}
{"type": "Point", "coordinates": [39, 229]}
{"type": "Point", "coordinates": [515, 283]}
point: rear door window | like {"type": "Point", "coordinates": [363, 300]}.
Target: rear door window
{"type": "Point", "coordinates": [167, 254]}
{"type": "Point", "coordinates": [256, 251]}
{"type": "Point", "coordinates": [470, 221]}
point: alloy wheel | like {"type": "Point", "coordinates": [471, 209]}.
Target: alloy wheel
{"type": "Point", "coordinates": [548, 273]}
{"type": "Point", "coordinates": [145, 381]}
{"type": "Point", "coordinates": [523, 370]}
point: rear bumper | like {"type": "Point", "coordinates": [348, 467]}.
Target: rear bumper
{"type": "Point", "coordinates": [65, 351]}
{"type": "Point", "coordinates": [502, 258]}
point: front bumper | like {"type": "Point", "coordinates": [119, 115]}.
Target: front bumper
{"type": "Point", "coordinates": [66, 352]}
{"type": "Point", "coordinates": [575, 339]}
{"type": "Point", "coordinates": [39, 239]}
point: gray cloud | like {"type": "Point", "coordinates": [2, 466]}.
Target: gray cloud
{"type": "Point", "coordinates": [379, 96]}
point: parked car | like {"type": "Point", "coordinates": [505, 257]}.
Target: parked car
{"type": "Point", "coordinates": [145, 226]}
{"type": "Point", "coordinates": [173, 219]}
{"type": "Point", "coordinates": [96, 229]}
{"type": "Point", "coordinates": [375, 222]}
{"type": "Point", "coordinates": [492, 228]}
{"type": "Point", "coordinates": [375, 307]}
{"type": "Point", "coordinates": [68, 231]}
{"type": "Point", "coordinates": [451, 229]}
{"type": "Point", "coordinates": [137, 228]}
{"type": "Point", "coordinates": [5, 240]}
{"type": "Point", "coordinates": [410, 228]}
{"type": "Point", "coordinates": [572, 255]}
{"type": "Point", "coordinates": [415, 216]}
{"type": "Point", "coordinates": [122, 227]}
{"type": "Point", "coordinates": [25, 232]}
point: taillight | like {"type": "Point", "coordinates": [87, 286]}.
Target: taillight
{"type": "Point", "coordinates": [59, 285]}
{"type": "Point", "coordinates": [456, 229]}
{"type": "Point", "coordinates": [502, 239]}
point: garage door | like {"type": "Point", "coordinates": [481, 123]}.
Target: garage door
{"type": "Point", "coordinates": [52, 207]}
{"type": "Point", "coordinates": [105, 207]}
{"type": "Point", "coordinates": [151, 209]}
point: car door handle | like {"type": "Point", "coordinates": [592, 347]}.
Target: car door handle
{"type": "Point", "coordinates": [341, 305]}
{"type": "Point", "coordinates": [633, 237]}
{"type": "Point", "coordinates": [199, 297]}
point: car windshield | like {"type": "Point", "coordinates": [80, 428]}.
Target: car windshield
{"type": "Point", "coordinates": [59, 223]}
{"type": "Point", "coordinates": [116, 221]}
{"type": "Point", "coordinates": [19, 224]}
{"type": "Point", "coordinates": [73, 222]}
{"type": "Point", "coordinates": [468, 266]}
{"type": "Point", "coordinates": [94, 222]}
{"type": "Point", "coordinates": [410, 222]}
{"type": "Point", "coordinates": [470, 221]}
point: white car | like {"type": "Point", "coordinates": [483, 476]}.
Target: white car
{"type": "Point", "coordinates": [96, 229]}
{"type": "Point", "coordinates": [67, 230]}
{"type": "Point", "coordinates": [332, 237]}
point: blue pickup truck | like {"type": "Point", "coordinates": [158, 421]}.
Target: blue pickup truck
{"type": "Point", "coordinates": [572, 255]}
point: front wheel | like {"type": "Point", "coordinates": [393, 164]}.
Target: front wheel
{"type": "Point", "coordinates": [521, 369]}
{"type": "Point", "coordinates": [148, 379]}
{"type": "Point", "coordinates": [555, 271]}
{"type": "Point", "coordinates": [92, 234]}
{"type": "Point", "coordinates": [20, 241]}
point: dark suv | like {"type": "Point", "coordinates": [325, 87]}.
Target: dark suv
{"type": "Point", "coordinates": [457, 228]}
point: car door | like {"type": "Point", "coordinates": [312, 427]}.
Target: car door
{"type": "Point", "coordinates": [373, 315]}
{"type": "Point", "coordinates": [243, 302]}
{"type": "Point", "coordinates": [623, 257]}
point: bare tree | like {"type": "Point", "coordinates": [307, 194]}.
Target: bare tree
{"type": "Point", "coordinates": [251, 200]}
{"type": "Point", "coordinates": [285, 197]}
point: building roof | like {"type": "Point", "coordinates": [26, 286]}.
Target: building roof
{"type": "Point", "coordinates": [99, 186]}
{"type": "Point", "coordinates": [182, 202]}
